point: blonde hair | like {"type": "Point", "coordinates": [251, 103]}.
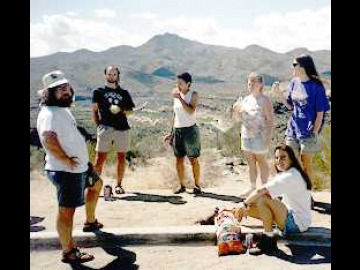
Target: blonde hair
{"type": "Point", "coordinates": [257, 77]}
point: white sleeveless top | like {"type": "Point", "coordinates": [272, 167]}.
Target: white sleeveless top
{"type": "Point", "coordinates": [182, 117]}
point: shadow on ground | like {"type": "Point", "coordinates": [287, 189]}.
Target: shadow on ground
{"type": "Point", "coordinates": [322, 208]}
{"type": "Point", "coordinates": [305, 254]}
{"type": "Point", "coordinates": [150, 198]}
{"type": "Point", "coordinates": [220, 197]}
{"type": "Point", "coordinates": [125, 259]}
{"type": "Point", "coordinates": [35, 220]}
{"type": "Point", "coordinates": [36, 228]}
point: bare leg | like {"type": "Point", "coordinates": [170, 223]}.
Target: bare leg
{"type": "Point", "coordinates": [64, 226]}
{"type": "Point", "coordinates": [269, 210]}
{"type": "Point", "coordinates": [180, 170]}
{"type": "Point", "coordinates": [100, 158]}
{"type": "Point", "coordinates": [306, 160]}
{"type": "Point", "coordinates": [91, 198]}
{"type": "Point", "coordinates": [264, 168]}
{"type": "Point", "coordinates": [250, 158]}
{"type": "Point", "coordinates": [196, 170]}
{"type": "Point", "coordinates": [121, 166]}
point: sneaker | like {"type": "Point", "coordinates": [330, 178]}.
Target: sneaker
{"type": "Point", "coordinates": [267, 245]}
{"type": "Point", "coordinates": [119, 190]}
{"type": "Point", "coordinates": [197, 190]}
{"type": "Point", "coordinates": [179, 190]}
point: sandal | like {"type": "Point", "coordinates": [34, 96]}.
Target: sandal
{"type": "Point", "coordinates": [75, 256]}
{"type": "Point", "coordinates": [119, 189]}
{"type": "Point", "coordinates": [92, 226]}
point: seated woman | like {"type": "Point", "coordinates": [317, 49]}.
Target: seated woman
{"type": "Point", "coordinates": [292, 214]}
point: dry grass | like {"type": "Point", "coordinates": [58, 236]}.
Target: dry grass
{"type": "Point", "coordinates": [322, 160]}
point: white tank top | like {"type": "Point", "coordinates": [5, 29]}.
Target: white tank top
{"type": "Point", "coordinates": [182, 117]}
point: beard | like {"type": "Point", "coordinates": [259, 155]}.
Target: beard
{"type": "Point", "coordinates": [65, 101]}
{"type": "Point", "coordinates": [112, 81]}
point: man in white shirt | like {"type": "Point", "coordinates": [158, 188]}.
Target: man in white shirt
{"type": "Point", "coordinates": [67, 163]}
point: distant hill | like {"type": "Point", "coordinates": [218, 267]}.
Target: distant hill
{"type": "Point", "coordinates": [152, 66]}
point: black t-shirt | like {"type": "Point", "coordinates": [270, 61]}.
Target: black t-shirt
{"type": "Point", "coordinates": [105, 97]}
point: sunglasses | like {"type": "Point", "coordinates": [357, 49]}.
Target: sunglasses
{"type": "Point", "coordinates": [62, 87]}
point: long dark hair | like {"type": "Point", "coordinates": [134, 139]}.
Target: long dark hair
{"type": "Point", "coordinates": [307, 63]}
{"type": "Point", "coordinates": [294, 163]}
{"type": "Point", "coordinates": [48, 97]}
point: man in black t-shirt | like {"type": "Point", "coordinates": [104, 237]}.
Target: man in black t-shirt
{"type": "Point", "coordinates": [110, 106]}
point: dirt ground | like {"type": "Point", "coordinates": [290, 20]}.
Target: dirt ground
{"type": "Point", "coordinates": [150, 201]}
{"type": "Point", "coordinates": [185, 257]}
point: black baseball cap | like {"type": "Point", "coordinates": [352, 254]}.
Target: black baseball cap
{"type": "Point", "coordinates": [186, 77]}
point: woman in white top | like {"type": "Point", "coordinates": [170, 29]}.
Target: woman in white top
{"type": "Point", "coordinates": [256, 114]}
{"type": "Point", "coordinates": [185, 134]}
{"type": "Point", "coordinates": [293, 213]}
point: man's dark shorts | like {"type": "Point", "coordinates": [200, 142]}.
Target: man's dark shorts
{"type": "Point", "coordinates": [187, 142]}
{"type": "Point", "coordinates": [71, 186]}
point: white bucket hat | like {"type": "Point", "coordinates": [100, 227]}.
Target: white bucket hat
{"type": "Point", "coordinates": [52, 79]}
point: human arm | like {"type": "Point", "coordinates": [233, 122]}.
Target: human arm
{"type": "Point", "coordinates": [237, 111]}
{"type": "Point", "coordinates": [318, 122]}
{"type": "Point", "coordinates": [169, 136]}
{"type": "Point", "coordinates": [241, 209]}
{"type": "Point", "coordinates": [95, 114]}
{"type": "Point", "coordinates": [51, 142]}
{"type": "Point", "coordinates": [269, 121]}
{"type": "Point", "coordinates": [129, 105]}
{"type": "Point", "coordinates": [191, 107]}
{"type": "Point", "coordinates": [286, 102]}
{"type": "Point", "coordinates": [322, 105]}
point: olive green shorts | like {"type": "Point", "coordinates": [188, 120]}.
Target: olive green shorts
{"type": "Point", "coordinates": [187, 142]}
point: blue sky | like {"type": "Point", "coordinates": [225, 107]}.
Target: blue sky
{"type": "Point", "coordinates": [100, 24]}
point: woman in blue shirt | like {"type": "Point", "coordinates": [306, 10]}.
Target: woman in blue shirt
{"type": "Point", "coordinates": [307, 99]}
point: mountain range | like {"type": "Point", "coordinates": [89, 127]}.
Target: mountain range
{"type": "Point", "coordinates": [152, 66]}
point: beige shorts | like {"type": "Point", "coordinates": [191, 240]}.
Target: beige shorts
{"type": "Point", "coordinates": [109, 139]}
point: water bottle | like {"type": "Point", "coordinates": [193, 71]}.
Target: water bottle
{"type": "Point", "coordinates": [108, 193]}
{"type": "Point", "coordinates": [249, 238]}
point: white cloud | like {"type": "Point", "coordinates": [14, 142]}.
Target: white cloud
{"type": "Point", "coordinates": [146, 16]}
{"type": "Point", "coordinates": [105, 13]}
{"type": "Point", "coordinates": [280, 32]}
{"type": "Point", "coordinates": [72, 13]}
{"type": "Point", "coordinates": [63, 33]}
{"type": "Point", "coordinates": [277, 31]}
{"type": "Point", "coordinates": [305, 28]}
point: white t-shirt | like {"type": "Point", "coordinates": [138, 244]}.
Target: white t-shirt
{"type": "Point", "coordinates": [296, 197]}
{"type": "Point", "coordinates": [182, 117]}
{"type": "Point", "coordinates": [62, 122]}
{"type": "Point", "coordinates": [253, 116]}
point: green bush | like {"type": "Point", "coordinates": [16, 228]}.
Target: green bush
{"type": "Point", "coordinates": [322, 162]}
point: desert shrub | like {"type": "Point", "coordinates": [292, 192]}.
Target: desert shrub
{"type": "Point", "coordinates": [322, 162]}
{"type": "Point", "coordinates": [36, 158]}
